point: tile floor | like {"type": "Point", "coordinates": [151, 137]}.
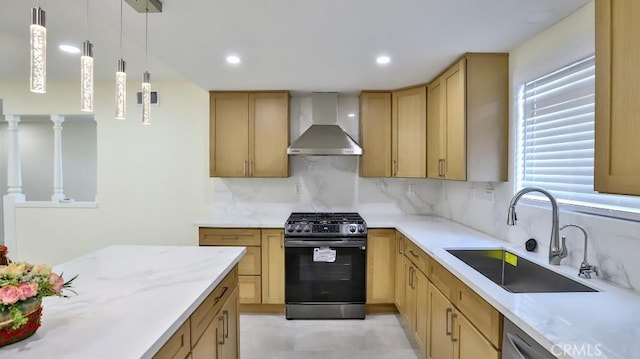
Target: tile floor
{"type": "Point", "coordinates": [379, 336]}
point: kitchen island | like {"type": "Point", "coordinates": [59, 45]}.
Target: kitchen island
{"type": "Point", "coordinates": [130, 301]}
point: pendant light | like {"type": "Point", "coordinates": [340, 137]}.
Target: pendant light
{"type": "Point", "coordinates": [121, 80]}
{"type": "Point", "coordinates": [86, 72]}
{"type": "Point", "coordinates": [146, 77]}
{"type": "Point", "coordinates": [38, 35]}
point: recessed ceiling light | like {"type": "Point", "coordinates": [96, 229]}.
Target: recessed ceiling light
{"type": "Point", "coordinates": [382, 60]}
{"type": "Point", "coordinates": [70, 49]}
{"type": "Point", "coordinates": [351, 115]}
{"type": "Point", "coordinates": [232, 59]}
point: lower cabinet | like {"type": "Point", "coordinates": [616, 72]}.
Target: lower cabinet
{"type": "Point", "coordinates": [399, 272]}
{"type": "Point", "coordinates": [261, 270]}
{"type": "Point", "coordinates": [381, 258]}
{"type": "Point", "coordinates": [416, 312]}
{"type": "Point", "coordinates": [212, 331]}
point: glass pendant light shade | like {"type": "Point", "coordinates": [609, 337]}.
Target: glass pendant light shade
{"type": "Point", "coordinates": [146, 98]}
{"type": "Point", "coordinates": [86, 77]}
{"type": "Point", "coordinates": [121, 91]}
{"type": "Point", "coordinates": [38, 33]}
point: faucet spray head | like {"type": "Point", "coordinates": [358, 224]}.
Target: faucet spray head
{"type": "Point", "coordinates": [512, 219]}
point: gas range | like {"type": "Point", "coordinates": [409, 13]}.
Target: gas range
{"type": "Point", "coordinates": [325, 224]}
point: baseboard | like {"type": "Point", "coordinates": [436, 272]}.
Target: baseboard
{"type": "Point", "coordinates": [279, 308]}
{"type": "Point", "coordinates": [262, 308]}
{"type": "Point", "coordinates": [382, 308]}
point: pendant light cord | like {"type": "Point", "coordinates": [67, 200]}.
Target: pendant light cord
{"type": "Point", "coordinates": [88, 30]}
{"type": "Point", "coordinates": [121, 52]}
{"type": "Point", "coordinates": [146, 36]}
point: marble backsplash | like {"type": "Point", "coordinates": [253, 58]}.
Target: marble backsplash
{"type": "Point", "coordinates": [613, 244]}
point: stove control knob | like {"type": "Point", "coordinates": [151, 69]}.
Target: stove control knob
{"type": "Point", "coordinates": [306, 228]}
{"type": "Point", "coordinates": [289, 227]}
{"type": "Point", "coordinates": [360, 228]}
{"type": "Point", "coordinates": [298, 228]}
{"type": "Point", "coordinates": [352, 228]}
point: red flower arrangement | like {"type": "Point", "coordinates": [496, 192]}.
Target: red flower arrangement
{"type": "Point", "coordinates": [22, 287]}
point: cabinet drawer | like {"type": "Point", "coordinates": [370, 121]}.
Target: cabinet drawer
{"type": "Point", "coordinates": [443, 280]}
{"type": "Point", "coordinates": [480, 313]}
{"type": "Point", "coordinates": [206, 312]}
{"type": "Point", "coordinates": [229, 237]}
{"type": "Point", "coordinates": [251, 263]}
{"type": "Point", "coordinates": [416, 255]}
{"type": "Point", "coordinates": [250, 289]}
{"type": "Point", "coordinates": [178, 346]}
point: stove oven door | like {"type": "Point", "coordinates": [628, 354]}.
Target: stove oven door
{"type": "Point", "coordinates": [314, 273]}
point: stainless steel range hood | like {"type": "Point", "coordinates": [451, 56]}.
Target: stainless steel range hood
{"type": "Point", "coordinates": [324, 137]}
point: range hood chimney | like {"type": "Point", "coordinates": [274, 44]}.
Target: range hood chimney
{"type": "Point", "coordinates": [324, 137]}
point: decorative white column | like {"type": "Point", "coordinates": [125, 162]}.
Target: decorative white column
{"type": "Point", "coordinates": [14, 185]}
{"type": "Point", "coordinates": [14, 176]}
{"type": "Point", "coordinates": [58, 188]}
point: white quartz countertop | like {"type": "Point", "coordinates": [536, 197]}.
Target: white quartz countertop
{"type": "Point", "coordinates": [130, 300]}
{"type": "Point", "coordinates": [605, 324]}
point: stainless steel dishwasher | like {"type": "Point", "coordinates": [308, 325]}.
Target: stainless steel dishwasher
{"type": "Point", "coordinates": [516, 344]}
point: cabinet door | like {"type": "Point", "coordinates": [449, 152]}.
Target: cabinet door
{"type": "Point", "coordinates": [617, 169]}
{"type": "Point", "coordinates": [409, 295]}
{"type": "Point", "coordinates": [272, 266]}
{"type": "Point", "coordinates": [381, 245]}
{"type": "Point", "coordinates": [268, 134]}
{"type": "Point", "coordinates": [375, 134]}
{"type": "Point", "coordinates": [229, 134]}
{"type": "Point", "coordinates": [400, 282]}
{"type": "Point", "coordinates": [422, 315]}
{"type": "Point", "coordinates": [470, 343]}
{"type": "Point", "coordinates": [440, 326]}
{"type": "Point", "coordinates": [436, 126]}
{"type": "Point", "coordinates": [250, 289]}
{"type": "Point", "coordinates": [230, 331]}
{"type": "Point", "coordinates": [208, 346]}
{"type": "Point", "coordinates": [456, 137]}
{"type": "Point", "coordinates": [409, 133]}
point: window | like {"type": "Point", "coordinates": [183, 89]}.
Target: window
{"type": "Point", "coordinates": [556, 141]}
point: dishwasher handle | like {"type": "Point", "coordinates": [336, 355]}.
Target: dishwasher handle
{"type": "Point", "coordinates": [513, 351]}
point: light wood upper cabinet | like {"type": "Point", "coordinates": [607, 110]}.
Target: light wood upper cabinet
{"type": "Point", "coordinates": [272, 266]}
{"type": "Point", "coordinates": [409, 132]}
{"type": "Point", "coordinates": [249, 134]}
{"type": "Point", "coordinates": [468, 120]}
{"type": "Point", "coordinates": [381, 245]}
{"type": "Point", "coordinates": [617, 169]}
{"type": "Point", "coordinates": [375, 134]}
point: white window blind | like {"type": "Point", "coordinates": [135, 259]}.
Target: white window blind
{"type": "Point", "coordinates": [556, 141]}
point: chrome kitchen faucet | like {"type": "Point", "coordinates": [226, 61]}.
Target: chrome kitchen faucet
{"type": "Point", "coordinates": [556, 251]}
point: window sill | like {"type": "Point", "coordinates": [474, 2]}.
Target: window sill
{"type": "Point", "coordinates": [46, 204]}
{"type": "Point", "coordinates": [585, 210]}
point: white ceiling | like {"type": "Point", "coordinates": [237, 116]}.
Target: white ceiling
{"type": "Point", "coordinates": [300, 45]}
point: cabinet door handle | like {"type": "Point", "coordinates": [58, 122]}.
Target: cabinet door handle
{"type": "Point", "coordinates": [413, 254]}
{"type": "Point", "coordinates": [221, 318]}
{"type": "Point", "coordinates": [399, 247]}
{"type": "Point", "coordinates": [394, 169]}
{"type": "Point", "coordinates": [281, 241]}
{"type": "Point", "coordinates": [453, 327]}
{"type": "Point", "coordinates": [410, 277]}
{"type": "Point", "coordinates": [250, 168]}
{"type": "Point", "coordinates": [244, 169]}
{"type": "Point", "coordinates": [226, 323]}
{"type": "Point", "coordinates": [447, 330]}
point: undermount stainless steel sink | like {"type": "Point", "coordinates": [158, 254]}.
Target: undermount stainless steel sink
{"type": "Point", "coordinates": [516, 274]}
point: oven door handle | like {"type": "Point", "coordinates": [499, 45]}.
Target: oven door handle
{"type": "Point", "coordinates": [335, 244]}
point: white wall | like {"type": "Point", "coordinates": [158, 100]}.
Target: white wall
{"type": "Point", "coordinates": [613, 244]}
{"type": "Point", "coordinates": [150, 178]}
